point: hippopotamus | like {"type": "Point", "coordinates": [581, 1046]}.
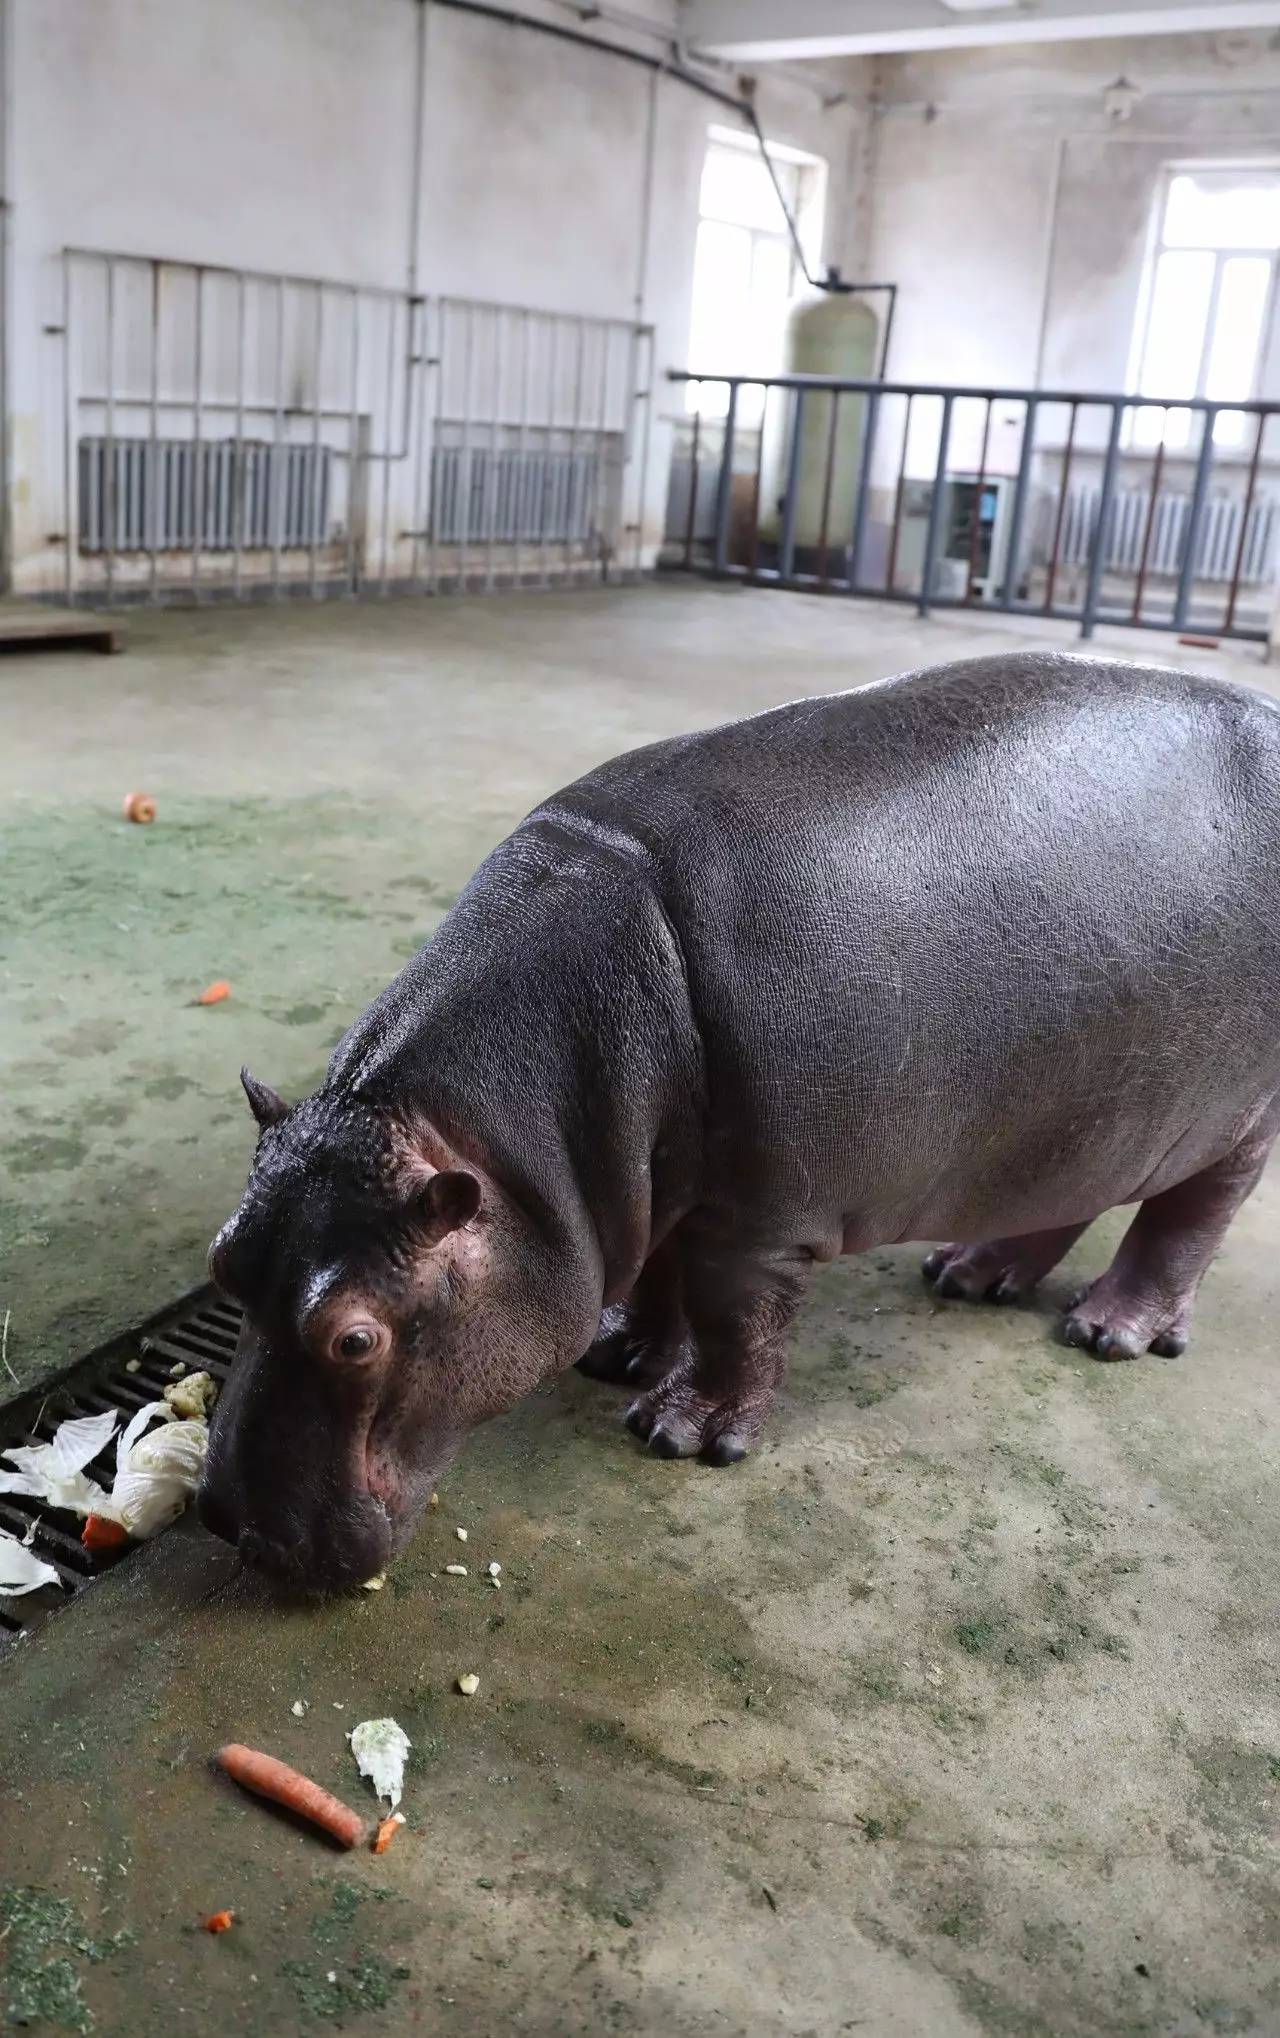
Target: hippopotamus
{"type": "Point", "coordinates": [973, 954]}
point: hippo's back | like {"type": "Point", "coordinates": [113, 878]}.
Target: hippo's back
{"type": "Point", "coordinates": [980, 917]}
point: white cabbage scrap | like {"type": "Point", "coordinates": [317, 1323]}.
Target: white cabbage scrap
{"type": "Point", "coordinates": [55, 1472]}
{"type": "Point", "coordinates": [380, 1747]}
{"type": "Point", "coordinates": [156, 1474]}
{"type": "Point", "coordinates": [20, 1568]}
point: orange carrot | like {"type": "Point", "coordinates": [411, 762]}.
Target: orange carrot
{"type": "Point", "coordinates": [213, 994]}
{"type": "Point", "coordinates": [221, 1921]}
{"type": "Point", "coordinates": [100, 1535]}
{"type": "Point", "coordinates": [386, 1832]}
{"type": "Point", "coordinates": [273, 1779]}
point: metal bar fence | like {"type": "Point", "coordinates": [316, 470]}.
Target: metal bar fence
{"type": "Point", "coordinates": [242, 434]}
{"type": "Point", "coordinates": [1097, 509]}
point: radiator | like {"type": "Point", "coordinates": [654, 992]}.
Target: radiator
{"type": "Point", "coordinates": [516, 495]}
{"type": "Point", "coordinates": [1216, 549]}
{"type": "Point", "coordinates": [141, 494]}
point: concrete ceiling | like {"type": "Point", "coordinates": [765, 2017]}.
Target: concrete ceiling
{"type": "Point", "coordinates": [771, 29]}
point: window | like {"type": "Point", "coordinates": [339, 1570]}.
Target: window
{"type": "Point", "coordinates": [1208, 306]}
{"type": "Point", "coordinates": [745, 270]}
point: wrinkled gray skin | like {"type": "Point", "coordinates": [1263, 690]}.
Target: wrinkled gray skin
{"type": "Point", "coordinates": [974, 954]}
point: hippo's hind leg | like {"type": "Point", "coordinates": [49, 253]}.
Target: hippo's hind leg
{"type": "Point", "coordinates": [639, 1342]}
{"type": "Point", "coordinates": [1144, 1300]}
{"type": "Point", "coordinates": [714, 1400]}
{"type": "Point", "coordinates": [1003, 1269]}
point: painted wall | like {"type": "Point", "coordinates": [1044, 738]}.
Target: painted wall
{"type": "Point", "coordinates": [279, 135]}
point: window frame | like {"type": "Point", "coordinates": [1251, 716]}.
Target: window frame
{"type": "Point", "coordinates": [1215, 166]}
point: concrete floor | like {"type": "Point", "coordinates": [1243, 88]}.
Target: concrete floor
{"type": "Point", "coordinates": [957, 1710]}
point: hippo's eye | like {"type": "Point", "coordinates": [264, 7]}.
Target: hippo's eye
{"type": "Point", "coordinates": [356, 1344]}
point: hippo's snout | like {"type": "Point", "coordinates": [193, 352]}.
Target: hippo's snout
{"type": "Point", "coordinates": [337, 1546]}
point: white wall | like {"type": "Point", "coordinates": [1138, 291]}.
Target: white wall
{"type": "Point", "coordinates": [279, 135]}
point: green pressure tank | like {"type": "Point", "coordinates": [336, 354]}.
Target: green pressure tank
{"type": "Point", "coordinates": [833, 333]}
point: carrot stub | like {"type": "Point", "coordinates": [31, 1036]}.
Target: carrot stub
{"type": "Point", "coordinates": [100, 1535]}
{"type": "Point", "coordinates": [387, 1830]}
{"type": "Point", "coordinates": [221, 1921]}
{"type": "Point", "coordinates": [286, 1786]}
{"type": "Point", "coordinates": [213, 994]}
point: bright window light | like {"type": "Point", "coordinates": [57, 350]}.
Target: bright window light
{"type": "Point", "coordinates": [1209, 301]}
{"type": "Point", "coordinates": [745, 270]}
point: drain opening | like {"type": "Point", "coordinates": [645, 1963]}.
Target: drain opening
{"type": "Point", "coordinates": [197, 1333]}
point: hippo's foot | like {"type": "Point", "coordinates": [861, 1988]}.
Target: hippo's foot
{"type": "Point", "coordinates": [1121, 1320]}
{"type": "Point", "coordinates": [623, 1356]}
{"type": "Point", "coordinates": [679, 1418]}
{"type": "Point", "coordinates": [1001, 1270]}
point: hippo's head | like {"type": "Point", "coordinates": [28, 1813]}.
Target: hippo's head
{"type": "Point", "coordinates": [388, 1308]}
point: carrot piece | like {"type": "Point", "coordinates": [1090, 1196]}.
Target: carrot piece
{"type": "Point", "coordinates": [221, 1921]}
{"type": "Point", "coordinates": [100, 1535]}
{"type": "Point", "coordinates": [387, 1831]}
{"type": "Point", "coordinates": [139, 807]}
{"type": "Point", "coordinates": [274, 1779]}
{"type": "Point", "coordinates": [213, 994]}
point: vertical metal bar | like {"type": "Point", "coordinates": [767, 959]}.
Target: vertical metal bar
{"type": "Point", "coordinates": [355, 464]}
{"type": "Point", "coordinates": [389, 399]}
{"type": "Point", "coordinates": [644, 397]}
{"type": "Point", "coordinates": [420, 315]}
{"type": "Point", "coordinates": [579, 368]}
{"type": "Point", "coordinates": [1052, 578]}
{"type": "Point", "coordinates": [237, 458]}
{"type": "Point", "coordinates": [277, 445]}
{"type": "Point", "coordinates": [724, 488]}
{"type": "Point", "coordinates": [109, 486]}
{"type": "Point", "coordinates": [153, 444]}
{"type": "Point", "coordinates": [936, 502]}
{"type": "Point", "coordinates": [597, 465]}
{"type": "Point", "coordinates": [435, 486]}
{"type": "Point", "coordinates": [522, 457]}
{"type": "Point", "coordinates": [547, 496]}
{"type": "Point", "coordinates": [1157, 473]}
{"type": "Point", "coordinates": [1199, 494]}
{"type": "Point", "coordinates": [491, 480]}
{"type": "Point", "coordinates": [1021, 493]}
{"type": "Point", "coordinates": [314, 495]}
{"type": "Point", "coordinates": [70, 500]}
{"type": "Point", "coordinates": [827, 480]}
{"type": "Point", "coordinates": [197, 470]}
{"type": "Point", "coordinates": [690, 522]}
{"type": "Point", "coordinates": [753, 552]}
{"type": "Point", "coordinates": [1098, 557]}
{"type": "Point", "coordinates": [1250, 486]}
{"type": "Point", "coordinates": [464, 447]}
{"type": "Point", "coordinates": [892, 572]}
{"type": "Point", "coordinates": [975, 534]}
{"type": "Point", "coordinates": [862, 507]}
{"type": "Point", "coordinates": [787, 548]}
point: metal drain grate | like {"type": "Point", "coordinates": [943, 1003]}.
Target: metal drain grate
{"type": "Point", "coordinates": [199, 1333]}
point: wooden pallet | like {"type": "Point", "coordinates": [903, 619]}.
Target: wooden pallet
{"type": "Point", "coordinates": [31, 626]}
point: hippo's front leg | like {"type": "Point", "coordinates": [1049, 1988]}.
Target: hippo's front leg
{"type": "Point", "coordinates": [639, 1343]}
{"type": "Point", "coordinates": [714, 1401]}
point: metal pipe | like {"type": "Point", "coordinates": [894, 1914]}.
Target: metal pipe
{"type": "Point", "coordinates": [1245, 514]}
{"type": "Point", "coordinates": [864, 386]}
{"type": "Point", "coordinates": [828, 477]}
{"type": "Point", "coordinates": [1098, 557]}
{"type": "Point", "coordinates": [71, 505]}
{"type": "Point", "coordinates": [936, 500]}
{"type": "Point", "coordinates": [434, 487]}
{"type": "Point", "coordinates": [416, 152]}
{"type": "Point", "coordinates": [724, 489]}
{"type": "Point", "coordinates": [313, 487]}
{"type": "Point", "coordinates": [109, 480]}
{"type": "Point", "coordinates": [548, 471]}
{"type": "Point", "coordinates": [892, 571]}
{"type": "Point", "coordinates": [1157, 473]}
{"type": "Point", "coordinates": [753, 547]}
{"type": "Point", "coordinates": [239, 477]}
{"type": "Point", "coordinates": [596, 518]}
{"type": "Point", "coordinates": [1199, 491]}
{"type": "Point", "coordinates": [975, 533]}
{"type": "Point", "coordinates": [691, 518]}
{"type": "Point", "coordinates": [522, 462]}
{"type": "Point", "coordinates": [277, 456]}
{"type": "Point", "coordinates": [787, 550]}
{"type": "Point", "coordinates": [153, 446]}
{"type": "Point", "coordinates": [388, 416]}
{"type": "Point", "coordinates": [570, 562]}
{"type": "Point", "coordinates": [870, 421]}
{"type": "Point", "coordinates": [644, 397]}
{"type": "Point", "coordinates": [491, 478]}
{"type": "Point", "coordinates": [1052, 579]}
{"type": "Point", "coordinates": [1021, 491]}
{"type": "Point", "coordinates": [197, 464]}
{"type": "Point", "coordinates": [355, 469]}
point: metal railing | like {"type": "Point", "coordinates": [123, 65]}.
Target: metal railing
{"type": "Point", "coordinates": [236, 433]}
{"type": "Point", "coordinates": [1057, 503]}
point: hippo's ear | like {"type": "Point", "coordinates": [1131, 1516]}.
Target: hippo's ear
{"type": "Point", "coordinates": [449, 1200]}
{"type": "Point", "coordinates": [267, 1107]}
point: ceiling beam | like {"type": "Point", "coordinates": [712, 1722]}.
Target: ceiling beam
{"type": "Point", "coordinates": [769, 30]}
